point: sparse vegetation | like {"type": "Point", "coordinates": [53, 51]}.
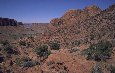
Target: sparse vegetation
{"type": "Point", "coordinates": [8, 48]}
{"type": "Point", "coordinates": [98, 52]}
{"type": "Point", "coordinates": [5, 42]}
{"type": "Point", "coordinates": [42, 51]}
{"type": "Point", "coordinates": [25, 62]}
{"type": "Point", "coordinates": [22, 43]}
{"type": "Point", "coordinates": [97, 69]}
{"type": "Point", "coordinates": [1, 59]}
{"type": "Point", "coordinates": [29, 64]}
{"type": "Point", "coordinates": [18, 61]}
{"type": "Point", "coordinates": [111, 68]}
{"type": "Point", "coordinates": [9, 71]}
{"type": "Point", "coordinates": [54, 45]}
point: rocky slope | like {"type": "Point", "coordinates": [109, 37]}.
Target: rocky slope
{"type": "Point", "coordinates": [73, 16]}
{"type": "Point", "coordinates": [60, 47]}
{"type": "Point", "coordinates": [78, 33]}
{"type": "Point", "coordinates": [97, 27]}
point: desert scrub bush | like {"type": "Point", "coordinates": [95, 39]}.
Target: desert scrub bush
{"type": "Point", "coordinates": [99, 52]}
{"type": "Point", "coordinates": [22, 43]}
{"type": "Point", "coordinates": [30, 64]}
{"type": "Point", "coordinates": [8, 48]}
{"type": "Point", "coordinates": [18, 61]}
{"type": "Point", "coordinates": [54, 45]}
{"type": "Point", "coordinates": [42, 51]}
{"type": "Point", "coordinates": [5, 42]}
{"type": "Point", "coordinates": [9, 71]}
{"type": "Point", "coordinates": [25, 62]}
{"type": "Point", "coordinates": [111, 68]}
{"type": "Point", "coordinates": [31, 38]}
{"type": "Point", "coordinates": [1, 59]}
{"type": "Point", "coordinates": [97, 69]}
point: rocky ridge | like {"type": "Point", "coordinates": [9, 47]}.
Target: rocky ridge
{"type": "Point", "coordinates": [73, 16]}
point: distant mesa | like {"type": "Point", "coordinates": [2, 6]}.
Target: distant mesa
{"type": "Point", "coordinates": [9, 22]}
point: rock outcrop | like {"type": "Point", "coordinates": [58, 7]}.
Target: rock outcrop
{"type": "Point", "coordinates": [56, 21]}
{"type": "Point", "coordinates": [73, 16]}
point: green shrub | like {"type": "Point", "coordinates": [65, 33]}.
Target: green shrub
{"type": "Point", "coordinates": [4, 42]}
{"type": "Point", "coordinates": [97, 69]}
{"type": "Point", "coordinates": [8, 49]}
{"type": "Point", "coordinates": [31, 38]}
{"type": "Point", "coordinates": [9, 71]}
{"type": "Point", "coordinates": [1, 59]}
{"type": "Point", "coordinates": [42, 51]}
{"type": "Point", "coordinates": [112, 69]}
{"type": "Point", "coordinates": [55, 45]}
{"type": "Point", "coordinates": [22, 43]}
{"type": "Point", "coordinates": [26, 59]}
{"type": "Point", "coordinates": [25, 62]}
{"type": "Point", "coordinates": [98, 52]}
{"type": "Point", "coordinates": [29, 64]}
{"type": "Point", "coordinates": [18, 61]}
